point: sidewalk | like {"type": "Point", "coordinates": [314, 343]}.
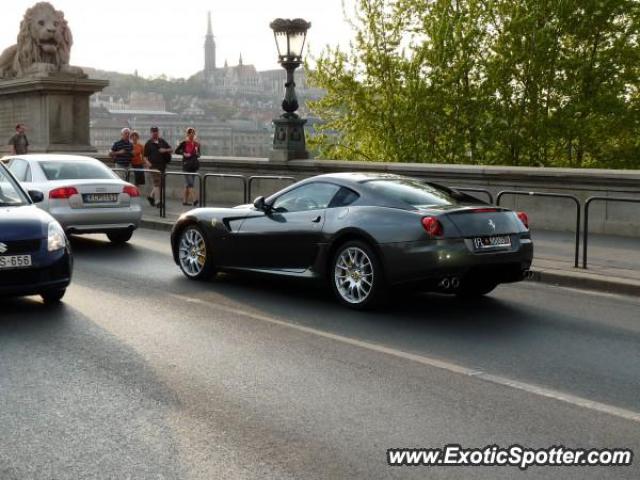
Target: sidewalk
{"type": "Point", "coordinates": [613, 263]}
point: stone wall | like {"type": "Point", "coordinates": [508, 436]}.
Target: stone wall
{"type": "Point", "coordinates": [545, 213]}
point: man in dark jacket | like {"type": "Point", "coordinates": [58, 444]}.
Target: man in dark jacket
{"type": "Point", "coordinates": [158, 153]}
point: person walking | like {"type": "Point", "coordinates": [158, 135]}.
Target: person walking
{"type": "Point", "coordinates": [19, 143]}
{"type": "Point", "coordinates": [157, 152]}
{"type": "Point", "coordinates": [122, 150]}
{"type": "Point", "coordinates": [137, 159]}
{"type": "Point", "coordinates": [189, 148]}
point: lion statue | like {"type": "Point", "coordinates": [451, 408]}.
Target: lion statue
{"type": "Point", "coordinates": [43, 47]}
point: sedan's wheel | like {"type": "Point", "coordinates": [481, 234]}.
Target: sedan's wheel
{"type": "Point", "coordinates": [193, 256]}
{"type": "Point", "coordinates": [357, 275]}
{"type": "Point", "coordinates": [120, 236]}
{"type": "Point", "coordinates": [53, 296]}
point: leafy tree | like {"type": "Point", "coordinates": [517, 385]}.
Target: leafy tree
{"type": "Point", "coordinates": [520, 82]}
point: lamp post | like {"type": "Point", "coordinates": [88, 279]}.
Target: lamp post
{"type": "Point", "coordinates": [288, 139]}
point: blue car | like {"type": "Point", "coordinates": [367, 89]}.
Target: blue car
{"type": "Point", "coordinates": [35, 256]}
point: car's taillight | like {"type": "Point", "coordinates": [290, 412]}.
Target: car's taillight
{"type": "Point", "coordinates": [62, 193]}
{"type": "Point", "coordinates": [524, 218]}
{"type": "Point", "coordinates": [432, 226]}
{"type": "Point", "coordinates": [131, 191]}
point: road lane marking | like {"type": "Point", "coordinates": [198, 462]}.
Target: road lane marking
{"type": "Point", "coordinates": [433, 362]}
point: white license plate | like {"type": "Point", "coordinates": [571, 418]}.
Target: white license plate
{"type": "Point", "coordinates": [497, 241]}
{"type": "Point", "coordinates": [15, 261]}
{"type": "Point", "coordinates": [100, 197]}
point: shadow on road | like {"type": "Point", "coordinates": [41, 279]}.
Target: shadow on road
{"type": "Point", "coordinates": [313, 302]}
{"type": "Point", "coordinates": [77, 400]}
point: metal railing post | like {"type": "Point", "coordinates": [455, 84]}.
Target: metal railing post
{"type": "Point", "coordinates": [553, 195]}
{"type": "Point", "coordinates": [206, 176]}
{"type": "Point", "coordinates": [265, 177]}
{"type": "Point", "coordinates": [473, 189]}
{"type": "Point", "coordinates": [585, 235]}
{"type": "Point", "coordinates": [163, 194]}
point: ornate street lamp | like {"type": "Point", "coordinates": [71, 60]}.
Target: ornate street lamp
{"type": "Point", "coordinates": [288, 139]}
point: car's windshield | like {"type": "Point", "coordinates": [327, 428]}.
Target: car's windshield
{"type": "Point", "coordinates": [10, 194]}
{"type": "Point", "coordinates": [76, 170]}
{"type": "Point", "coordinates": [412, 192]}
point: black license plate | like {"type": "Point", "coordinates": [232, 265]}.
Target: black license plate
{"type": "Point", "coordinates": [100, 197]}
{"type": "Point", "coordinates": [496, 241]}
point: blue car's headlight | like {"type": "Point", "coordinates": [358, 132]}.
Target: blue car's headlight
{"type": "Point", "coordinates": [56, 239]}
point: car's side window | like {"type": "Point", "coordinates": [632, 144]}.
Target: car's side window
{"type": "Point", "coordinates": [344, 197]}
{"type": "Point", "coordinates": [312, 196]}
{"type": "Point", "coordinates": [20, 169]}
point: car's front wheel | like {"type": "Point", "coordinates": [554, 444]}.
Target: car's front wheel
{"type": "Point", "coordinates": [356, 276]}
{"type": "Point", "coordinates": [194, 257]}
{"type": "Point", "coordinates": [120, 236]}
{"type": "Point", "coordinates": [53, 296]}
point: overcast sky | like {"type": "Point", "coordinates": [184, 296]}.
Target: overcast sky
{"type": "Point", "coordinates": [167, 36]}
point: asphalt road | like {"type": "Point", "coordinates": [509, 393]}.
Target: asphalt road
{"type": "Point", "coordinates": [143, 374]}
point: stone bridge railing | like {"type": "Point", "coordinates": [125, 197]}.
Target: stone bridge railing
{"type": "Point", "coordinates": [544, 212]}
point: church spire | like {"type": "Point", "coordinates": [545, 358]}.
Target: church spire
{"type": "Point", "coordinates": [209, 29]}
{"type": "Point", "coordinates": [240, 60]}
{"type": "Point", "coordinates": [209, 52]}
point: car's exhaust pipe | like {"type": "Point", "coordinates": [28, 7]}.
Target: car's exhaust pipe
{"type": "Point", "coordinates": [445, 283]}
{"type": "Point", "coordinates": [527, 274]}
{"type": "Point", "coordinates": [455, 282]}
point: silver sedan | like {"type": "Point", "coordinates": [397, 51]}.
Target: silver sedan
{"type": "Point", "coordinates": [83, 194]}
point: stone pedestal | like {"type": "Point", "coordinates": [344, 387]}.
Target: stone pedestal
{"type": "Point", "coordinates": [54, 108]}
{"type": "Point", "coordinates": [288, 140]}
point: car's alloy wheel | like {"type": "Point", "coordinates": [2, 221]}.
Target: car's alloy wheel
{"type": "Point", "coordinates": [192, 254]}
{"type": "Point", "coordinates": [356, 275]}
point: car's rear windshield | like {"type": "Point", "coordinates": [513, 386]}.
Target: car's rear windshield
{"type": "Point", "coordinates": [412, 192]}
{"type": "Point", "coordinates": [76, 170]}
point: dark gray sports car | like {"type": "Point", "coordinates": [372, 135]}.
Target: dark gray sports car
{"type": "Point", "coordinates": [363, 233]}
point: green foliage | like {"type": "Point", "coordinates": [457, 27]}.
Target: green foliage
{"type": "Point", "coordinates": [517, 82]}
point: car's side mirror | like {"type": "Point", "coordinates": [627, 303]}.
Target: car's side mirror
{"type": "Point", "coordinates": [36, 196]}
{"type": "Point", "coordinates": [260, 204]}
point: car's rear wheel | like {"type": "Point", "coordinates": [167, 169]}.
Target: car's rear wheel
{"type": "Point", "coordinates": [476, 288]}
{"type": "Point", "coordinates": [357, 276]}
{"type": "Point", "coordinates": [52, 297]}
{"type": "Point", "coordinates": [194, 258]}
{"type": "Point", "coordinates": [120, 236]}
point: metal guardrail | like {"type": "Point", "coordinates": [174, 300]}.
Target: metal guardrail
{"type": "Point", "coordinates": [124, 170]}
{"type": "Point", "coordinates": [265, 177]}
{"type": "Point", "coordinates": [475, 190]}
{"type": "Point", "coordinates": [585, 238]}
{"type": "Point", "coordinates": [203, 191]}
{"type": "Point", "coordinates": [553, 195]}
{"type": "Point", "coordinates": [163, 188]}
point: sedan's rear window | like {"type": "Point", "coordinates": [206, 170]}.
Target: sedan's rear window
{"type": "Point", "coordinates": [61, 170]}
{"type": "Point", "coordinates": [412, 192]}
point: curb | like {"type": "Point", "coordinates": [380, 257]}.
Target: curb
{"type": "Point", "coordinates": [562, 278]}
{"type": "Point", "coordinates": [163, 225]}
{"type": "Point", "coordinates": [586, 281]}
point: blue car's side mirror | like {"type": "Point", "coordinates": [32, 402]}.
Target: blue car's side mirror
{"type": "Point", "coordinates": [36, 196]}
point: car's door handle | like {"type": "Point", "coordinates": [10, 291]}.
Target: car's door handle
{"type": "Point", "coordinates": [317, 219]}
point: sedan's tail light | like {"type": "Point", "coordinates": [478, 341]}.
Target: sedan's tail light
{"type": "Point", "coordinates": [62, 193]}
{"type": "Point", "coordinates": [432, 226]}
{"type": "Point", "coordinates": [131, 191]}
{"type": "Point", "coordinates": [524, 218]}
